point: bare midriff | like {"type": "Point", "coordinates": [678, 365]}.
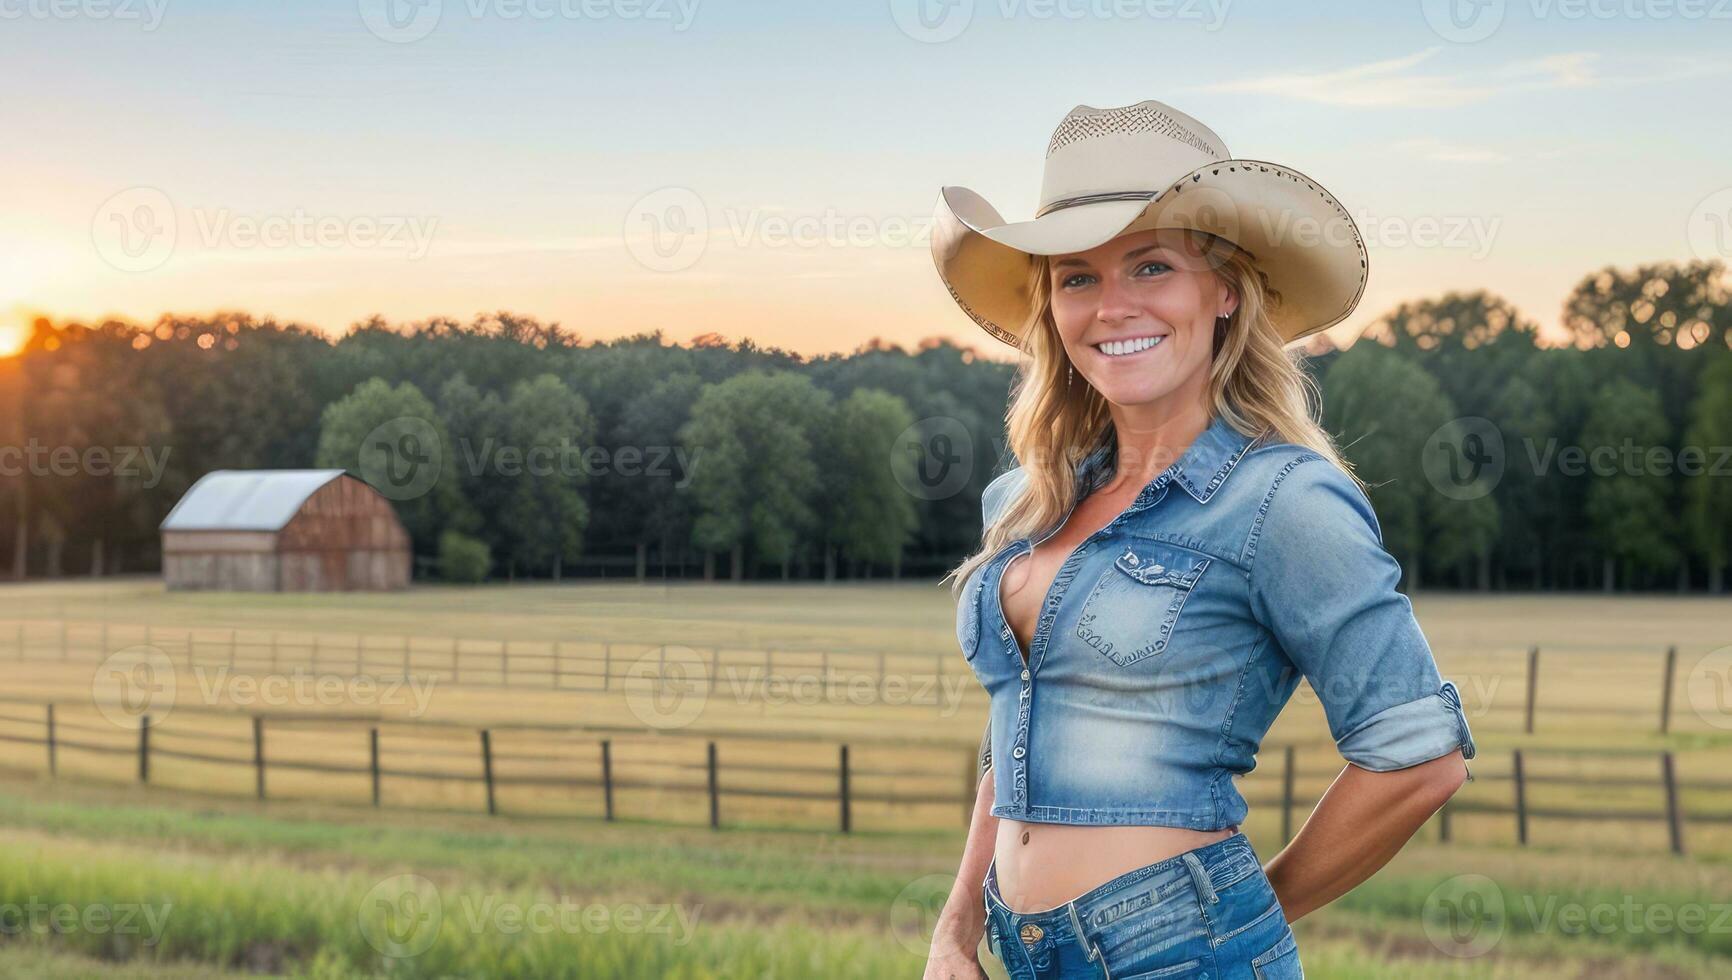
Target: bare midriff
{"type": "Point", "coordinates": [1042, 866]}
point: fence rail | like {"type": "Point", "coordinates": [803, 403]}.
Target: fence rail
{"type": "Point", "coordinates": [721, 781]}
{"type": "Point", "coordinates": [608, 665]}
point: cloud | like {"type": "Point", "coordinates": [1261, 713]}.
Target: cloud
{"type": "Point", "coordinates": [1397, 82]}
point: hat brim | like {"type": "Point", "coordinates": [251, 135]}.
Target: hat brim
{"type": "Point", "coordinates": [1299, 235]}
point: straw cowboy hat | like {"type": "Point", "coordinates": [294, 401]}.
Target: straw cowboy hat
{"type": "Point", "coordinates": [1132, 168]}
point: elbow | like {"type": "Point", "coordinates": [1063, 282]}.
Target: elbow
{"type": "Point", "coordinates": [1439, 779]}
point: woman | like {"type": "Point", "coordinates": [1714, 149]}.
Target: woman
{"type": "Point", "coordinates": [1180, 544]}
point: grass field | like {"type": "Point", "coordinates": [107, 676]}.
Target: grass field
{"type": "Point", "coordinates": [289, 885]}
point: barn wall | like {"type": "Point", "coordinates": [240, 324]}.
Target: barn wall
{"type": "Point", "coordinates": [238, 560]}
{"type": "Point", "coordinates": [346, 536]}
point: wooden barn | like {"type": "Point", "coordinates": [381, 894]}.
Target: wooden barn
{"type": "Point", "coordinates": [284, 531]}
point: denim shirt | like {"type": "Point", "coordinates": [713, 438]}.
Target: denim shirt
{"type": "Point", "coordinates": [1172, 637]}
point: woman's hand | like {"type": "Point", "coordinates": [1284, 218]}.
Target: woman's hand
{"type": "Point", "coordinates": [955, 945]}
{"type": "Point", "coordinates": [1359, 824]}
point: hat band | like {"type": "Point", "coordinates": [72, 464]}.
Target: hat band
{"type": "Point", "coordinates": [1071, 202]}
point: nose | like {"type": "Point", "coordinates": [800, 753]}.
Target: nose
{"type": "Point", "coordinates": [1116, 303]}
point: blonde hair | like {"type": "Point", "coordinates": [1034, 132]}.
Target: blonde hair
{"type": "Point", "coordinates": [1255, 383]}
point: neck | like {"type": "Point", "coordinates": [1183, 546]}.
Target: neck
{"type": "Point", "coordinates": [1153, 437]}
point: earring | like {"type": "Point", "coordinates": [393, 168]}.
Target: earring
{"type": "Point", "coordinates": [1070, 376]}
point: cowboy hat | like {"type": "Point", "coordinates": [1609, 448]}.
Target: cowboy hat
{"type": "Point", "coordinates": [1131, 168]}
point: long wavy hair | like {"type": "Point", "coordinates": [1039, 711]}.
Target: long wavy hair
{"type": "Point", "coordinates": [1255, 383]}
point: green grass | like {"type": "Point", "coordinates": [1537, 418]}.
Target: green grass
{"type": "Point", "coordinates": [286, 890]}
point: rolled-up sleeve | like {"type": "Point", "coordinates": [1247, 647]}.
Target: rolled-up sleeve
{"type": "Point", "coordinates": [1324, 587]}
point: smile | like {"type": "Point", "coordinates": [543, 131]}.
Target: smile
{"type": "Point", "coordinates": [1125, 348]}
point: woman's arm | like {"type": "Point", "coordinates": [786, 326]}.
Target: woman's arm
{"type": "Point", "coordinates": [1359, 824]}
{"type": "Point", "coordinates": [962, 923]}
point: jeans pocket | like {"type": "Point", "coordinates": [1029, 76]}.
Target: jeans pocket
{"type": "Point", "coordinates": [1280, 961]}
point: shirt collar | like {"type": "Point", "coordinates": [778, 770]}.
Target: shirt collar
{"type": "Point", "coordinates": [1200, 469]}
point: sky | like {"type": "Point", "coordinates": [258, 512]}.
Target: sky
{"type": "Point", "coordinates": [768, 168]}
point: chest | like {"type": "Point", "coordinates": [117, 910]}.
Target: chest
{"type": "Point", "coordinates": [1028, 577]}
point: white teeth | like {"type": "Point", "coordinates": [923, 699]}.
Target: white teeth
{"type": "Point", "coordinates": [1119, 348]}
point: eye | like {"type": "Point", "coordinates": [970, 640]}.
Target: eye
{"type": "Point", "coordinates": [1155, 263]}
{"type": "Point", "coordinates": [1073, 280]}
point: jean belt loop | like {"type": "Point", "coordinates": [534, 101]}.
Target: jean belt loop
{"type": "Point", "coordinates": [1076, 923]}
{"type": "Point", "coordinates": [1205, 887]}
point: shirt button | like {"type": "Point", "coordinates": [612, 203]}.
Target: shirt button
{"type": "Point", "coordinates": [1017, 752]}
{"type": "Point", "coordinates": [1025, 673]}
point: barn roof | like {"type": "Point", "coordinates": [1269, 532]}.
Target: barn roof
{"type": "Point", "coordinates": [245, 500]}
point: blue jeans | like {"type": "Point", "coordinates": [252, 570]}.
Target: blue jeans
{"type": "Point", "coordinates": [1207, 913]}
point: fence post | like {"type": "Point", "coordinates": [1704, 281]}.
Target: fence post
{"type": "Point", "coordinates": [63, 644]}
{"type": "Point", "coordinates": [662, 671]}
{"type": "Point", "coordinates": [274, 668]}
{"type": "Point", "coordinates": [259, 755]}
{"type": "Point", "coordinates": [144, 749]}
{"type": "Point", "coordinates": [1521, 801]}
{"type": "Point", "coordinates": [556, 682]}
{"type": "Point", "coordinates": [1674, 813]}
{"type": "Point", "coordinates": [487, 769]}
{"type": "Point", "coordinates": [1443, 822]}
{"type": "Point", "coordinates": [606, 666]}
{"type": "Point", "coordinates": [1287, 775]}
{"type": "Point", "coordinates": [1666, 689]}
{"type": "Point", "coordinates": [231, 650]}
{"type": "Point", "coordinates": [456, 662]}
{"type": "Point", "coordinates": [360, 642]}
{"type": "Point", "coordinates": [505, 663]}
{"type": "Point", "coordinates": [407, 645]}
{"type": "Point", "coordinates": [715, 801]}
{"type": "Point", "coordinates": [1533, 684]}
{"type": "Point", "coordinates": [607, 778]}
{"type": "Point", "coordinates": [52, 769]}
{"type": "Point", "coordinates": [373, 751]}
{"type": "Point", "coordinates": [843, 772]}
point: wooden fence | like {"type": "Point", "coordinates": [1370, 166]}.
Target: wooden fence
{"type": "Point", "coordinates": [814, 787]}
{"type": "Point", "coordinates": [605, 665]}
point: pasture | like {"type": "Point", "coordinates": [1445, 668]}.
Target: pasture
{"type": "Point", "coordinates": [768, 683]}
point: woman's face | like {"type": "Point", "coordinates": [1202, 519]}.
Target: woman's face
{"type": "Point", "coordinates": [1137, 316]}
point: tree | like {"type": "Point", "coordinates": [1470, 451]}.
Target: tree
{"type": "Point", "coordinates": [393, 439]}
{"type": "Point", "coordinates": [757, 478]}
{"type": "Point", "coordinates": [1708, 488]}
{"type": "Point", "coordinates": [1627, 503]}
{"type": "Point", "coordinates": [863, 509]}
{"type": "Point", "coordinates": [549, 427]}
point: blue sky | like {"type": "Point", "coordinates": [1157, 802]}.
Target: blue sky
{"type": "Point", "coordinates": [492, 161]}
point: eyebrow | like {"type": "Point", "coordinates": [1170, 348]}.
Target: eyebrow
{"type": "Point", "coordinates": [1133, 253]}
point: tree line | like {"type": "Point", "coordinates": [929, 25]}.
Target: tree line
{"type": "Point", "coordinates": [511, 448]}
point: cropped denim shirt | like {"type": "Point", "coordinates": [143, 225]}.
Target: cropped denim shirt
{"type": "Point", "coordinates": [1171, 638]}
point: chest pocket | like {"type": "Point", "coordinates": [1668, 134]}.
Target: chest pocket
{"type": "Point", "coordinates": [1131, 610]}
{"type": "Point", "coordinates": [968, 614]}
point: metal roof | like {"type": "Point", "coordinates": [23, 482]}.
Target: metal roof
{"type": "Point", "coordinates": [245, 500]}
